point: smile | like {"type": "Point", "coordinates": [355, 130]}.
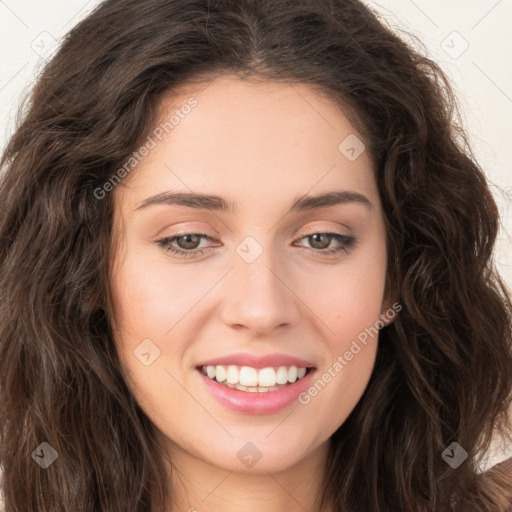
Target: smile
{"type": "Point", "coordinates": [253, 380]}
{"type": "Point", "coordinates": [255, 399]}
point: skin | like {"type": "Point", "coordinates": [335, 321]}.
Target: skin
{"type": "Point", "coordinates": [260, 146]}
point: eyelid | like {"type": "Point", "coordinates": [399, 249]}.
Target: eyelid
{"type": "Point", "coordinates": [188, 230]}
{"type": "Point", "coordinates": [312, 231]}
{"type": "Point", "coordinates": [182, 231]}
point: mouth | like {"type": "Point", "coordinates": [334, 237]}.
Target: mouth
{"type": "Point", "coordinates": [255, 380]}
{"type": "Point", "coordinates": [250, 390]}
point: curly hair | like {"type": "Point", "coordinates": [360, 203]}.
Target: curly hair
{"type": "Point", "coordinates": [443, 371]}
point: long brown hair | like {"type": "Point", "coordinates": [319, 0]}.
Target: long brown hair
{"type": "Point", "coordinates": [443, 372]}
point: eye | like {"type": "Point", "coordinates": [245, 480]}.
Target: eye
{"type": "Point", "coordinates": [187, 244]}
{"type": "Point", "coordinates": [320, 241]}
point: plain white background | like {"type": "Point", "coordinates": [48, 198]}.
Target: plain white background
{"type": "Point", "coordinates": [469, 38]}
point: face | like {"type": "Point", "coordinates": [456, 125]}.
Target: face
{"type": "Point", "coordinates": [232, 284]}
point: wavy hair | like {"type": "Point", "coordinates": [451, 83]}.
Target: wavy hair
{"type": "Point", "coordinates": [443, 371]}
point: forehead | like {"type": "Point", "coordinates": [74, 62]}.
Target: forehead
{"type": "Point", "coordinates": [252, 141]}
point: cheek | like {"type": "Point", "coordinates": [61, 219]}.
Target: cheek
{"type": "Point", "coordinates": [347, 298]}
{"type": "Point", "coordinates": [356, 309]}
{"type": "Point", "coordinates": [149, 299]}
{"type": "Point", "coordinates": [347, 311]}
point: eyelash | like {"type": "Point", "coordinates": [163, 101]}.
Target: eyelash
{"type": "Point", "coordinates": [347, 243]}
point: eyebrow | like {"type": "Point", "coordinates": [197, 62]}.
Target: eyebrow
{"type": "Point", "coordinates": [217, 203]}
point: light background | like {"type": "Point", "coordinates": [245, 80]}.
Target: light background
{"type": "Point", "coordinates": [469, 38]}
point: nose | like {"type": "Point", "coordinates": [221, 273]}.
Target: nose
{"type": "Point", "coordinates": [259, 297]}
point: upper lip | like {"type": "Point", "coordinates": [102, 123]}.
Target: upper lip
{"type": "Point", "coordinates": [258, 361]}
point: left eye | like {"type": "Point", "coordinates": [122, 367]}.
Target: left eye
{"type": "Point", "coordinates": [188, 243]}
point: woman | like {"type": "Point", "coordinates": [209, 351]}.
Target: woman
{"type": "Point", "coordinates": [245, 260]}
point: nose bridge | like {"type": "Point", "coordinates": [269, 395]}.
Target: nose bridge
{"type": "Point", "coordinates": [256, 291]}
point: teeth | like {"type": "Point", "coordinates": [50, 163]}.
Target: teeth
{"type": "Point", "coordinates": [267, 377]}
{"type": "Point", "coordinates": [232, 375]}
{"type": "Point", "coordinates": [251, 379]}
{"type": "Point", "coordinates": [248, 376]}
{"type": "Point", "coordinates": [293, 373]}
{"type": "Point", "coordinates": [282, 375]}
{"type": "Point", "coordinates": [219, 372]}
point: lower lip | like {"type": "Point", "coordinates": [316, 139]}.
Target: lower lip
{"type": "Point", "coordinates": [266, 402]}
